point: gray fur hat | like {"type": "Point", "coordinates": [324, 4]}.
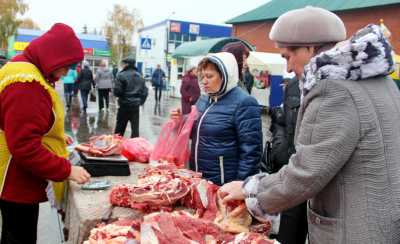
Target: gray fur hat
{"type": "Point", "coordinates": [307, 26]}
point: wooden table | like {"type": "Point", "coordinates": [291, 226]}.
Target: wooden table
{"type": "Point", "coordinates": [84, 209]}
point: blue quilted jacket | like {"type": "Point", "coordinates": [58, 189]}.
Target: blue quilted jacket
{"type": "Point", "coordinates": [227, 136]}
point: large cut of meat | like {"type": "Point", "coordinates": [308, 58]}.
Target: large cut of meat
{"type": "Point", "coordinates": [149, 196]}
{"type": "Point", "coordinates": [204, 198]}
{"type": "Point", "coordinates": [157, 188]}
{"type": "Point", "coordinates": [118, 232]}
{"type": "Point", "coordinates": [179, 228]}
{"type": "Point", "coordinates": [251, 238]}
{"type": "Point", "coordinates": [104, 145]}
{"type": "Point", "coordinates": [183, 228]}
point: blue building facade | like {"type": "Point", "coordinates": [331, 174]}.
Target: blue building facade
{"type": "Point", "coordinates": [157, 42]}
{"type": "Point", "coordinates": [95, 46]}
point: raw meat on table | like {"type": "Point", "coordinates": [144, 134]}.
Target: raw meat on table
{"type": "Point", "coordinates": [137, 149]}
{"type": "Point", "coordinates": [178, 227]}
{"type": "Point", "coordinates": [104, 145]}
{"type": "Point", "coordinates": [157, 188]}
{"type": "Point", "coordinates": [118, 232]}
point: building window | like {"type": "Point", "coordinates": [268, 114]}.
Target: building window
{"type": "Point", "coordinates": [192, 37]}
{"type": "Point", "coordinates": [178, 37]}
{"type": "Point", "coordinates": [172, 36]}
{"type": "Point", "coordinates": [185, 37]}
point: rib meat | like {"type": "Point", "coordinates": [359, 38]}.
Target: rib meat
{"type": "Point", "coordinates": [104, 145]}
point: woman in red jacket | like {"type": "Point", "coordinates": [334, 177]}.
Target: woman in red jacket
{"type": "Point", "coordinates": [32, 141]}
{"type": "Point", "coordinates": [190, 90]}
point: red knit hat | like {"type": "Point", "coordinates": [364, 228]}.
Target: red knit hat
{"type": "Point", "coordinates": [59, 47]}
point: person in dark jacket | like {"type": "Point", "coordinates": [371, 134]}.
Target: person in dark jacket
{"type": "Point", "coordinates": [227, 136]}
{"type": "Point", "coordinates": [131, 90]}
{"type": "Point", "coordinates": [157, 81]}
{"type": "Point", "coordinates": [114, 71]}
{"type": "Point", "coordinates": [190, 90]}
{"type": "Point", "coordinates": [293, 225]}
{"type": "Point", "coordinates": [85, 83]}
{"type": "Point", "coordinates": [248, 78]}
{"type": "Point", "coordinates": [279, 141]}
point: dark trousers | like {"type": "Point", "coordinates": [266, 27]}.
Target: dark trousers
{"type": "Point", "coordinates": [104, 96]}
{"type": "Point", "coordinates": [84, 97]}
{"type": "Point", "coordinates": [124, 115]}
{"type": "Point", "coordinates": [293, 228]}
{"type": "Point", "coordinates": [158, 92]}
{"type": "Point", "coordinates": [19, 222]}
{"type": "Point", "coordinates": [68, 92]}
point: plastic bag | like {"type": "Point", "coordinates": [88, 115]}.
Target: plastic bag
{"type": "Point", "coordinates": [92, 95]}
{"type": "Point", "coordinates": [173, 143]}
{"type": "Point", "coordinates": [137, 149]}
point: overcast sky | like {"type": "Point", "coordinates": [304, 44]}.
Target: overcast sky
{"type": "Point", "coordinates": [93, 13]}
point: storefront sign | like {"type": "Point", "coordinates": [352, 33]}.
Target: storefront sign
{"type": "Point", "coordinates": [20, 46]}
{"type": "Point", "coordinates": [88, 51]}
{"type": "Point", "coordinates": [106, 53]}
{"type": "Point", "coordinates": [175, 27]}
{"type": "Point", "coordinates": [194, 29]}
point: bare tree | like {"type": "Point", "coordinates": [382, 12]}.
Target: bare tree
{"type": "Point", "coordinates": [119, 29]}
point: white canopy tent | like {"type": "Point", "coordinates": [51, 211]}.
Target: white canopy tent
{"type": "Point", "coordinates": [275, 65]}
{"type": "Point", "coordinates": [272, 62]}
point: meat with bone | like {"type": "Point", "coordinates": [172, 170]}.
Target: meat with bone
{"type": "Point", "coordinates": [233, 217]}
{"type": "Point", "coordinates": [251, 238]}
{"type": "Point", "coordinates": [149, 196]}
{"type": "Point", "coordinates": [180, 228]}
{"type": "Point", "coordinates": [204, 198]}
{"type": "Point", "coordinates": [119, 232]}
{"type": "Point", "coordinates": [104, 145]}
{"type": "Point", "coordinates": [159, 188]}
{"type": "Point", "coordinates": [183, 228]}
{"type": "Point", "coordinates": [156, 189]}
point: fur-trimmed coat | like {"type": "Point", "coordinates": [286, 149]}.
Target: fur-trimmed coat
{"type": "Point", "coordinates": [347, 141]}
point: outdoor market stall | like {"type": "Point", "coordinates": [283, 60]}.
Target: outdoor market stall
{"type": "Point", "coordinates": [87, 208]}
{"type": "Point", "coordinates": [156, 202]}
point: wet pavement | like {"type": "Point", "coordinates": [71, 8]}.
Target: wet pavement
{"type": "Point", "coordinates": [81, 126]}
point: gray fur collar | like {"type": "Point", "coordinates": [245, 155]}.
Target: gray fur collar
{"type": "Point", "coordinates": [365, 55]}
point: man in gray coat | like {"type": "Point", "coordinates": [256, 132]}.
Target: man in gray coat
{"type": "Point", "coordinates": [104, 83]}
{"type": "Point", "coordinates": [347, 160]}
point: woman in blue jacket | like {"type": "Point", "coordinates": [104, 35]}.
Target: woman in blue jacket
{"type": "Point", "coordinates": [227, 136]}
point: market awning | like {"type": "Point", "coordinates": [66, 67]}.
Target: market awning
{"type": "Point", "coordinates": [203, 47]}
